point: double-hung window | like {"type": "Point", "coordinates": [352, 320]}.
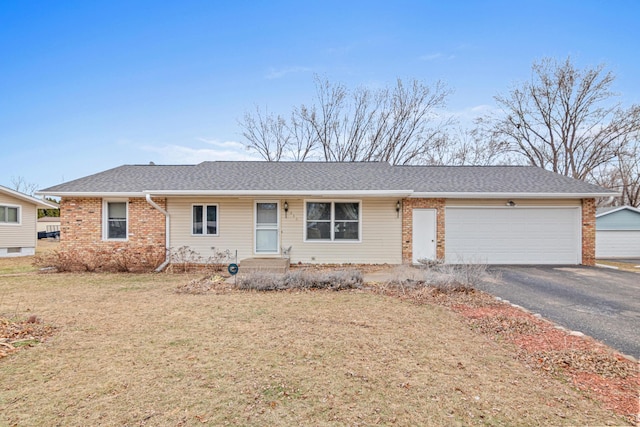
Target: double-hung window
{"type": "Point", "coordinates": [204, 220]}
{"type": "Point", "coordinates": [332, 221]}
{"type": "Point", "coordinates": [9, 214]}
{"type": "Point", "coordinates": [115, 220]}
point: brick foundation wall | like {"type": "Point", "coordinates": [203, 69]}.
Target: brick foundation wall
{"type": "Point", "coordinates": [81, 225]}
{"type": "Point", "coordinates": [407, 226]}
{"type": "Point", "coordinates": [589, 231]}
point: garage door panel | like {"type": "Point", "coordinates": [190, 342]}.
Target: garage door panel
{"type": "Point", "coordinates": [618, 244]}
{"type": "Point", "coordinates": [513, 235]}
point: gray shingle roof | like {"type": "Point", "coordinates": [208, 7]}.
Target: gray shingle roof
{"type": "Point", "coordinates": [611, 209]}
{"type": "Point", "coordinates": [491, 179]}
{"type": "Point", "coordinates": [314, 177]}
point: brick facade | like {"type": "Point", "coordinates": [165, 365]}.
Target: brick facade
{"type": "Point", "coordinates": [589, 231]}
{"type": "Point", "coordinates": [407, 226]}
{"type": "Point", "coordinates": [81, 225]}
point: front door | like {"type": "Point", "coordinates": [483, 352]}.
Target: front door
{"type": "Point", "coordinates": [267, 237]}
{"type": "Point", "coordinates": [424, 234]}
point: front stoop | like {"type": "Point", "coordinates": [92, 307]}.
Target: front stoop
{"type": "Point", "coordinates": [269, 265]}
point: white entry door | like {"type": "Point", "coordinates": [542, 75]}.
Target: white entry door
{"type": "Point", "coordinates": [267, 239]}
{"type": "Point", "coordinates": [424, 234]}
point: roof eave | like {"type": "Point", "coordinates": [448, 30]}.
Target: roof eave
{"type": "Point", "coordinates": [501, 195]}
{"type": "Point", "coordinates": [43, 204]}
{"type": "Point", "coordinates": [618, 209]}
{"type": "Point", "coordinates": [276, 193]}
{"type": "Point", "coordinates": [91, 194]}
{"type": "Point", "coordinates": [234, 193]}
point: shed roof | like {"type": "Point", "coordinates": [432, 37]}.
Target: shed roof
{"type": "Point", "coordinates": [600, 212]}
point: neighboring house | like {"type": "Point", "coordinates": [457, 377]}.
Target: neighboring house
{"type": "Point", "coordinates": [18, 214]}
{"type": "Point", "coordinates": [336, 212]}
{"type": "Point", "coordinates": [618, 232]}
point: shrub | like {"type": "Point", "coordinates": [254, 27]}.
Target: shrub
{"type": "Point", "coordinates": [103, 259]}
{"type": "Point", "coordinates": [219, 260]}
{"type": "Point", "coordinates": [301, 279]}
{"type": "Point", "coordinates": [136, 259]}
{"type": "Point", "coordinates": [185, 259]}
{"type": "Point", "coordinates": [462, 277]}
{"type": "Point", "coordinates": [261, 281]}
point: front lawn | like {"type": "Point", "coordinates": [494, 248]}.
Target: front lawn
{"type": "Point", "coordinates": [129, 350]}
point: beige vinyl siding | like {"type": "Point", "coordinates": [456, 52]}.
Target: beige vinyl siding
{"type": "Point", "coordinates": [235, 226]}
{"type": "Point", "coordinates": [518, 202]}
{"type": "Point", "coordinates": [380, 231]}
{"type": "Point", "coordinates": [22, 235]}
{"type": "Point", "coordinates": [380, 240]}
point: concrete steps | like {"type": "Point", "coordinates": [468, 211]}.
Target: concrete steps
{"type": "Point", "coordinates": [270, 265]}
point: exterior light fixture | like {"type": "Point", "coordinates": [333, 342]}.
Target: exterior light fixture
{"type": "Point", "coordinates": [398, 208]}
{"type": "Point", "coordinates": [286, 208]}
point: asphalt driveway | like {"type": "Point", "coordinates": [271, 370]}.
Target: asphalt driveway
{"type": "Point", "coordinates": [599, 302]}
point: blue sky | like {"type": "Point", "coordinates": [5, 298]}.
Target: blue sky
{"type": "Point", "coordinates": [90, 85]}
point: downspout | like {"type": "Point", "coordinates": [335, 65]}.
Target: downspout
{"type": "Point", "coordinates": [166, 233]}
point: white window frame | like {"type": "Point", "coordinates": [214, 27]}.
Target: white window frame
{"type": "Point", "coordinates": [204, 216]}
{"type": "Point", "coordinates": [255, 227]}
{"type": "Point", "coordinates": [332, 222]}
{"type": "Point", "coordinates": [105, 220]}
{"type": "Point", "coordinates": [7, 206]}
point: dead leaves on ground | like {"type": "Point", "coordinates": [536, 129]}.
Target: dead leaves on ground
{"type": "Point", "coordinates": [25, 333]}
{"type": "Point", "coordinates": [589, 365]}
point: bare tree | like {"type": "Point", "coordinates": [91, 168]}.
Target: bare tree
{"type": "Point", "coordinates": [400, 125]}
{"type": "Point", "coordinates": [20, 184]}
{"type": "Point", "coordinates": [624, 176]}
{"type": "Point", "coordinates": [472, 146]}
{"type": "Point", "coordinates": [267, 134]}
{"type": "Point", "coordinates": [566, 119]}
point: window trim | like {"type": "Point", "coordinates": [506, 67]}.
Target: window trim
{"type": "Point", "coordinates": [105, 220]}
{"type": "Point", "coordinates": [332, 222]}
{"type": "Point", "coordinates": [204, 234]}
{"type": "Point", "coordinates": [18, 215]}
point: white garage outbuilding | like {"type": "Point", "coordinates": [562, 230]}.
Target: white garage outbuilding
{"type": "Point", "coordinates": [618, 232]}
{"type": "Point", "coordinates": [513, 235]}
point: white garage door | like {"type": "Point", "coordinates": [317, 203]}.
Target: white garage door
{"type": "Point", "coordinates": [513, 235]}
{"type": "Point", "coordinates": [618, 244]}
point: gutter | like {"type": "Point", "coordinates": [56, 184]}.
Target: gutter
{"type": "Point", "coordinates": [292, 193]}
{"type": "Point", "coordinates": [514, 195]}
{"type": "Point", "coordinates": [339, 193]}
{"type": "Point", "coordinates": [166, 233]}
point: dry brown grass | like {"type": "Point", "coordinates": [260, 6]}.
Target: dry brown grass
{"type": "Point", "coordinates": [131, 351]}
{"type": "Point", "coordinates": [620, 265]}
{"type": "Point", "coordinates": [24, 264]}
